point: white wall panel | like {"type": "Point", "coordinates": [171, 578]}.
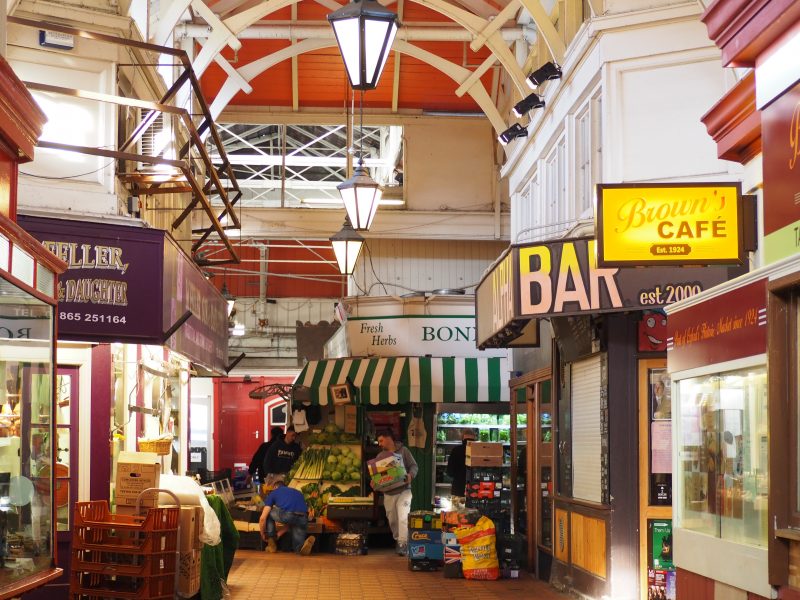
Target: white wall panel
{"type": "Point", "coordinates": [660, 111]}
{"type": "Point", "coordinates": [421, 265]}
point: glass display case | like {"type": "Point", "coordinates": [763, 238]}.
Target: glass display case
{"type": "Point", "coordinates": [722, 461]}
{"type": "Point", "coordinates": [451, 425]}
{"type": "Point", "coordinates": [26, 434]}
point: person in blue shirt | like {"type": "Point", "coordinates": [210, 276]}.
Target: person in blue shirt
{"type": "Point", "coordinates": [285, 510]}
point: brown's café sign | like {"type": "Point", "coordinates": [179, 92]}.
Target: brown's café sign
{"type": "Point", "coordinates": [562, 278]}
{"type": "Point", "coordinates": [657, 224]}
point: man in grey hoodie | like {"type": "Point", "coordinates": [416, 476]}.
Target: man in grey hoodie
{"type": "Point", "coordinates": [397, 502]}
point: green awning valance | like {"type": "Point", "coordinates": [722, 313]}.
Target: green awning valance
{"type": "Point", "coordinates": [399, 380]}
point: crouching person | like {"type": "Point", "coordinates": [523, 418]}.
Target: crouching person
{"type": "Point", "coordinates": [285, 510]}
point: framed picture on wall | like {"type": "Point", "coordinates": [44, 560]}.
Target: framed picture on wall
{"type": "Point", "coordinates": [340, 394]}
{"type": "Point", "coordinates": [660, 394]}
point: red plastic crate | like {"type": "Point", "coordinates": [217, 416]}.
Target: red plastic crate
{"type": "Point", "coordinates": [120, 587]}
{"type": "Point", "coordinates": [96, 528]}
{"type": "Point", "coordinates": [120, 563]}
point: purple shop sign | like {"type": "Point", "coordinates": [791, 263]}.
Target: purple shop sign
{"type": "Point", "coordinates": [131, 284]}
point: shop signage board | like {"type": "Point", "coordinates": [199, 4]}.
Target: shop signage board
{"type": "Point", "coordinates": [780, 126]}
{"type": "Point", "coordinates": [130, 284]}
{"type": "Point", "coordinates": [497, 325]}
{"type": "Point", "coordinates": [415, 335]}
{"type": "Point", "coordinates": [562, 278]}
{"type": "Point", "coordinates": [727, 327]}
{"type": "Point", "coordinates": [204, 337]}
{"type": "Point", "coordinates": [664, 224]}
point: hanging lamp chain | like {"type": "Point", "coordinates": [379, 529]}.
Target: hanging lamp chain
{"type": "Point", "coordinates": [361, 127]}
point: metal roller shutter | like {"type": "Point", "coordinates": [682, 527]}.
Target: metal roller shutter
{"type": "Point", "coordinates": [586, 429]}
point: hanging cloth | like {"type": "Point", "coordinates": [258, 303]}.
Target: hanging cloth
{"type": "Point", "coordinates": [417, 435]}
{"type": "Point", "coordinates": [299, 420]}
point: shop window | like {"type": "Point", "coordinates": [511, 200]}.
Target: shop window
{"type": "Point", "coordinates": [722, 463]}
{"type": "Point", "coordinates": [26, 434]}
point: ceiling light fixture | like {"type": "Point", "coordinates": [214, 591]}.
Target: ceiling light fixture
{"type": "Point", "coordinates": [547, 71]}
{"type": "Point", "coordinates": [528, 104]}
{"type": "Point", "coordinates": [364, 31]}
{"type": "Point", "coordinates": [361, 195]}
{"type": "Point", "coordinates": [512, 133]}
{"type": "Point", "coordinates": [347, 245]}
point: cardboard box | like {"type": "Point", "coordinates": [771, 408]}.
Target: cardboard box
{"type": "Point", "coordinates": [425, 535]}
{"type": "Point", "coordinates": [191, 525]}
{"type": "Point", "coordinates": [387, 472]}
{"type": "Point", "coordinates": [484, 461]}
{"type": "Point", "coordinates": [484, 449]}
{"type": "Point", "coordinates": [383, 464]}
{"type": "Point", "coordinates": [136, 472]}
{"type": "Point", "coordinates": [425, 550]}
{"type": "Point", "coordinates": [189, 573]}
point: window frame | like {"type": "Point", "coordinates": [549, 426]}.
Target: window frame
{"type": "Point", "coordinates": [782, 295]}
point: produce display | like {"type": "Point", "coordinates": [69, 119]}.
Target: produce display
{"type": "Point", "coordinates": [330, 467]}
{"type": "Point", "coordinates": [310, 465]}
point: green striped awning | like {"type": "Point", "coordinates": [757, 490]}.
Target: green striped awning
{"type": "Point", "coordinates": [399, 380]}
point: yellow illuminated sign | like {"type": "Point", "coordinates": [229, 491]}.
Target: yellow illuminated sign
{"type": "Point", "coordinates": [668, 224]}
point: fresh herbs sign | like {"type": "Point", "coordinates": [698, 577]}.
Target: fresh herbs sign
{"type": "Point", "coordinates": [414, 335]}
{"type": "Point", "coordinates": [661, 224]}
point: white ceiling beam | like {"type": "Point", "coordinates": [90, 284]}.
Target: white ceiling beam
{"type": "Point", "coordinates": [597, 7]}
{"type": "Point", "coordinates": [546, 29]}
{"type": "Point", "coordinates": [295, 74]}
{"type": "Point", "coordinates": [479, 7]}
{"type": "Point", "coordinates": [261, 160]}
{"type": "Point", "coordinates": [508, 13]}
{"type": "Point", "coordinates": [316, 223]}
{"type": "Point", "coordinates": [412, 33]}
{"type": "Point", "coordinates": [476, 75]}
{"type": "Point", "coordinates": [458, 74]}
{"type": "Point", "coordinates": [215, 23]}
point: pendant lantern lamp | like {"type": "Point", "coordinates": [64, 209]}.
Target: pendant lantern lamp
{"type": "Point", "coordinates": [347, 244]}
{"type": "Point", "coordinates": [361, 195]}
{"type": "Point", "coordinates": [364, 31]}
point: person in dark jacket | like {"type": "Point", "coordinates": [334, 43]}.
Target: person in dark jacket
{"type": "Point", "coordinates": [457, 465]}
{"type": "Point", "coordinates": [282, 454]}
{"type": "Point", "coordinates": [257, 463]}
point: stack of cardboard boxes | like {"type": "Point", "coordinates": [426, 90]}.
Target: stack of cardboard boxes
{"type": "Point", "coordinates": [425, 548]}
{"type": "Point", "coordinates": [485, 490]}
{"type": "Point", "coordinates": [484, 454]}
{"type": "Point", "coordinates": [139, 471]}
{"type": "Point", "coordinates": [189, 547]}
{"type": "Point", "coordinates": [136, 472]}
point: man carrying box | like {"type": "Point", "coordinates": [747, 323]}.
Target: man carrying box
{"type": "Point", "coordinates": [285, 507]}
{"type": "Point", "coordinates": [397, 501]}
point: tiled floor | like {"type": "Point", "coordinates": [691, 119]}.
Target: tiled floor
{"type": "Point", "coordinates": [381, 574]}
